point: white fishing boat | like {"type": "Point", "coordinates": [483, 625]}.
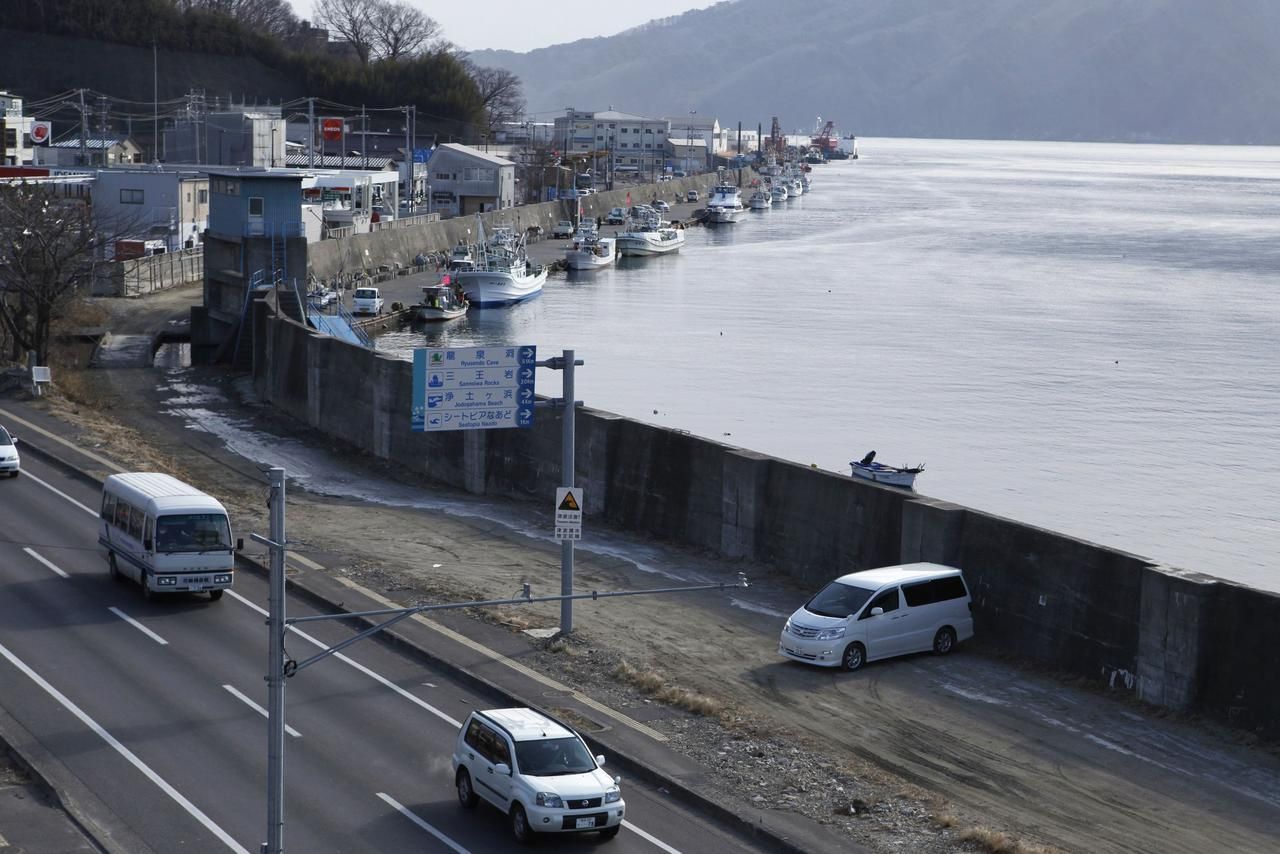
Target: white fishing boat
{"type": "Point", "coordinates": [461, 258]}
{"type": "Point", "coordinates": [645, 233]}
{"type": "Point", "coordinates": [503, 273]}
{"type": "Point", "coordinates": [725, 205]}
{"type": "Point", "coordinates": [779, 192]}
{"type": "Point", "coordinates": [796, 186]}
{"type": "Point", "coordinates": [591, 253]}
{"type": "Point", "coordinates": [869, 469]}
{"type": "Point", "coordinates": [441, 301]}
{"type": "Point", "coordinates": [761, 200]}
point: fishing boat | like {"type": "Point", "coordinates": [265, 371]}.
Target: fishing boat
{"type": "Point", "coordinates": [503, 273]}
{"type": "Point", "coordinates": [725, 205]}
{"type": "Point", "coordinates": [441, 301]}
{"type": "Point", "coordinates": [590, 253]}
{"type": "Point", "coordinates": [869, 469]}
{"type": "Point", "coordinates": [761, 200]}
{"type": "Point", "coordinates": [645, 233]}
{"type": "Point", "coordinates": [779, 192]}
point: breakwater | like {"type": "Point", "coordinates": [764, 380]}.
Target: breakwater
{"type": "Point", "coordinates": [1169, 637]}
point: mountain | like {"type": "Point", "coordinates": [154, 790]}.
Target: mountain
{"type": "Point", "coordinates": [1127, 70]}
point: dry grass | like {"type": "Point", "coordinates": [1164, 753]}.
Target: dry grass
{"type": "Point", "coordinates": [945, 819]}
{"type": "Point", "coordinates": [655, 684]}
{"type": "Point", "coordinates": [998, 842]}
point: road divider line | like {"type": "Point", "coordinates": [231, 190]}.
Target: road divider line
{"type": "Point", "coordinates": [128, 754]}
{"type": "Point", "coordinates": [59, 492]}
{"type": "Point", "coordinates": [547, 681]}
{"type": "Point", "coordinates": [422, 824]}
{"type": "Point", "coordinates": [358, 666]}
{"type": "Point", "coordinates": [251, 704]}
{"type": "Point", "coordinates": [645, 835]}
{"type": "Point", "coordinates": [49, 564]}
{"type": "Point", "coordinates": [131, 621]}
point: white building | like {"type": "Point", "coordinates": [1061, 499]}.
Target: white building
{"type": "Point", "coordinates": [611, 137]}
{"type": "Point", "coordinates": [15, 132]}
{"type": "Point", "coordinates": [693, 126]}
{"type": "Point", "coordinates": [96, 151]}
{"type": "Point", "coordinates": [463, 180]}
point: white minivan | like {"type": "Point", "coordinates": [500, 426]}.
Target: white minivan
{"type": "Point", "coordinates": [879, 613]}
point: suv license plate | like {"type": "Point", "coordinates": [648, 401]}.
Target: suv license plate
{"type": "Point", "coordinates": [586, 822]}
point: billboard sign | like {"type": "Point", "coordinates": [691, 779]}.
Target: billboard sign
{"type": "Point", "coordinates": [331, 129]}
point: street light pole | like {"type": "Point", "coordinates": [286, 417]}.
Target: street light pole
{"type": "Point", "coordinates": [688, 144]}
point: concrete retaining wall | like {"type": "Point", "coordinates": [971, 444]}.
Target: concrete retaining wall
{"type": "Point", "coordinates": [147, 275]}
{"type": "Point", "coordinates": [1171, 638]}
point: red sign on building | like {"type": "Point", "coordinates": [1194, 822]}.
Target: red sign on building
{"type": "Point", "coordinates": [331, 129]}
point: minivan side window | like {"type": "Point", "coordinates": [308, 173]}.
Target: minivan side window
{"type": "Point", "coordinates": [108, 506]}
{"type": "Point", "coordinates": [887, 600]}
{"type": "Point", "coordinates": [121, 520]}
{"type": "Point", "coordinates": [938, 590]}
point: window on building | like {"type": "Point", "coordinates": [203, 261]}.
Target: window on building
{"type": "Point", "coordinates": [444, 176]}
{"type": "Point", "coordinates": [648, 130]}
{"type": "Point", "coordinates": [479, 173]}
{"type": "Point", "coordinates": [203, 197]}
{"type": "Point", "coordinates": [256, 206]}
{"type": "Point", "coordinates": [659, 131]}
{"type": "Point", "coordinates": [131, 197]}
{"type": "Point", "coordinates": [624, 130]}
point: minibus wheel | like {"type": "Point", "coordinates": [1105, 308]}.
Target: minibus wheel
{"type": "Point", "coordinates": [112, 569]}
{"type": "Point", "coordinates": [944, 641]}
{"type": "Point", "coordinates": [855, 655]}
{"type": "Point", "coordinates": [146, 587]}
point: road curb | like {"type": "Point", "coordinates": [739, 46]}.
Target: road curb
{"type": "Point", "coordinates": [697, 801]}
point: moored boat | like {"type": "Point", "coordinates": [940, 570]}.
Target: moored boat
{"type": "Point", "coordinates": [645, 233]}
{"type": "Point", "coordinates": [503, 273]}
{"type": "Point", "coordinates": [725, 205]}
{"type": "Point", "coordinates": [869, 469]}
{"type": "Point", "coordinates": [441, 301]}
{"type": "Point", "coordinates": [761, 200]}
{"type": "Point", "coordinates": [591, 253]}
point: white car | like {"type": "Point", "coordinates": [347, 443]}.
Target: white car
{"type": "Point", "coordinates": [323, 297]}
{"type": "Point", "coordinates": [879, 613]}
{"type": "Point", "coordinates": [10, 463]}
{"type": "Point", "coordinates": [661, 206]}
{"type": "Point", "coordinates": [538, 772]}
{"type": "Point", "coordinates": [366, 301]}
{"type": "Point", "coordinates": [563, 228]}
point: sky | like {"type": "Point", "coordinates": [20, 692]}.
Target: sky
{"type": "Point", "coordinates": [523, 25]}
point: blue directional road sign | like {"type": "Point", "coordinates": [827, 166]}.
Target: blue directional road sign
{"type": "Point", "coordinates": [473, 388]}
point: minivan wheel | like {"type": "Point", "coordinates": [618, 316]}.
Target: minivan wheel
{"type": "Point", "coordinates": [520, 828]}
{"type": "Point", "coordinates": [112, 569]}
{"type": "Point", "coordinates": [855, 655]}
{"type": "Point", "coordinates": [466, 795]}
{"type": "Point", "coordinates": [944, 641]}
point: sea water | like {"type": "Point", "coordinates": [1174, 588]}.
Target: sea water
{"type": "Point", "coordinates": [1082, 337]}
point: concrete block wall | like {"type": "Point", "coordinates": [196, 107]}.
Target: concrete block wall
{"type": "Point", "coordinates": [1169, 637]}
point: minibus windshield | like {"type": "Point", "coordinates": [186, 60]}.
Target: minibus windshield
{"type": "Point", "coordinates": [193, 532]}
{"type": "Point", "coordinates": [838, 600]}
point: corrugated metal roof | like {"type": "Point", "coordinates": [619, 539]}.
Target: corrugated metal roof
{"type": "Point", "coordinates": [468, 151]}
{"type": "Point", "coordinates": [335, 161]}
{"type": "Point", "coordinates": [95, 144]}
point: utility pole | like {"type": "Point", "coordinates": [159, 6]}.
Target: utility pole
{"type": "Point", "coordinates": [311, 133]}
{"type": "Point", "coordinates": [275, 668]}
{"type": "Point", "coordinates": [364, 136]}
{"type": "Point", "coordinates": [155, 101]}
{"type": "Point", "coordinates": [84, 132]}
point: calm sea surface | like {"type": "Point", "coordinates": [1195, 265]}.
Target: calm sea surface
{"type": "Point", "coordinates": [1082, 337]}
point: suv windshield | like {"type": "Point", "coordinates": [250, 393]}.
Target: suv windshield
{"type": "Point", "coordinates": [838, 600]}
{"type": "Point", "coordinates": [553, 757]}
{"type": "Point", "coordinates": [193, 532]}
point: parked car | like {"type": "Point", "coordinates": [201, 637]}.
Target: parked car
{"type": "Point", "coordinates": [691, 196]}
{"type": "Point", "coordinates": [617, 216]}
{"type": "Point", "coordinates": [563, 228]}
{"type": "Point", "coordinates": [10, 463]}
{"type": "Point", "coordinates": [366, 301]}
{"type": "Point", "coordinates": [323, 297]}
{"type": "Point", "coordinates": [661, 206]}
{"type": "Point", "coordinates": [538, 772]}
{"type": "Point", "coordinates": [878, 613]}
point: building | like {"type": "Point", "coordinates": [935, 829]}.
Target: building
{"type": "Point", "coordinates": [249, 136]}
{"type": "Point", "coordinates": [687, 155]}
{"type": "Point", "coordinates": [157, 203]}
{"type": "Point", "coordinates": [105, 151]}
{"type": "Point", "coordinates": [531, 133]}
{"type": "Point", "coordinates": [693, 126]}
{"type": "Point", "coordinates": [15, 132]}
{"type": "Point", "coordinates": [463, 180]}
{"type": "Point", "coordinates": [612, 139]}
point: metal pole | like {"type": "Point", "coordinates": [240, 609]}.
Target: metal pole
{"type": "Point", "coordinates": [275, 671]}
{"type": "Point", "coordinates": [568, 416]}
{"type": "Point", "coordinates": [311, 135]}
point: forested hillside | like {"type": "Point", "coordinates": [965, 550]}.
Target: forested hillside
{"type": "Point", "coordinates": [1132, 70]}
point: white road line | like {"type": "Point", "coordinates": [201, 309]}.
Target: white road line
{"type": "Point", "coordinates": [655, 840]}
{"type": "Point", "coordinates": [251, 704]}
{"type": "Point", "coordinates": [125, 752]}
{"type": "Point", "coordinates": [131, 621]}
{"type": "Point", "coordinates": [46, 563]}
{"type": "Point", "coordinates": [422, 824]}
{"type": "Point", "coordinates": [358, 666]}
{"type": "Point", "coordinates": [59, 492]}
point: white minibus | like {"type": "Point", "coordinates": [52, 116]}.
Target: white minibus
{"type": "Point", "coordinates": [166, 535]}
{"type": "Point", "coordinates": [879, 613]}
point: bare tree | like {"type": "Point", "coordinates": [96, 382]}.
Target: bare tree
{"type": "Point", "coordinates": [274, 17]}
{"type": "Point", "coordinates": [48, 251]}
{"type": "Point", "coordinates": [400, 30]}
{"type": "Point", "coordinates": [500, 93]}
{"type": "Point", "coordinates": [350, 19]}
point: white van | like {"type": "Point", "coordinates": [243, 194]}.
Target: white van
{"type": "Point", "coordinates": [879, 613]}
{"type": "Point", "coordinates": [166, 535]}
{"type": "Point", "coordinates": [366, 301]}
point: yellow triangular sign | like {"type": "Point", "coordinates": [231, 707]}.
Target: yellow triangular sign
{"type": "Point", "coordinates": [569, 502]}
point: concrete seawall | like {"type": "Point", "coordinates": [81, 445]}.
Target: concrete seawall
{"type": "Point", "coordinates": [1171, 638]}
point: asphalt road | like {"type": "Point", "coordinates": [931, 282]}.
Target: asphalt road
{"type": "Point", "coordinates": [154, 708]}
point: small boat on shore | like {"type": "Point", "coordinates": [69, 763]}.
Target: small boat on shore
{"type": "Point", "coordinates": [869, 469]}
{"type": "Point", "coordinates": [440, 301]}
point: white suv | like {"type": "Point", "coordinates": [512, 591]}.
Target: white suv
{"type": "Point", "coordinates": [536, 770]}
